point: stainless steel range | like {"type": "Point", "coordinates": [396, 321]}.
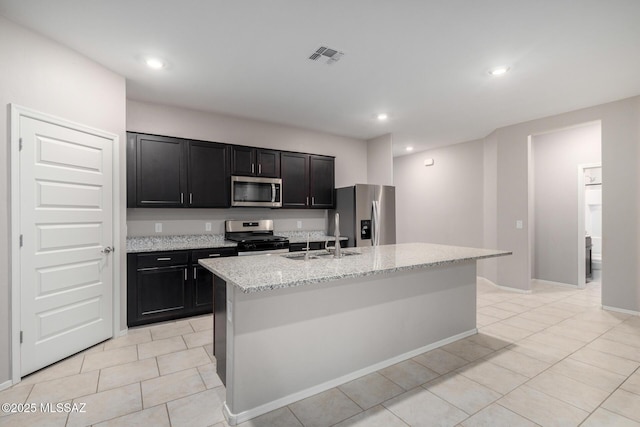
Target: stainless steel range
{"type": "Point", "coordinates": [255, 237]}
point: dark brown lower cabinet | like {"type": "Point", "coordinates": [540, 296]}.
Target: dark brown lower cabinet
{"type": "Point", "coordinates": [169, 285]}
{"type": "Point", "coordinates": [220, 327]}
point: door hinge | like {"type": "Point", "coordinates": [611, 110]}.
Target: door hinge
{"type": "Point", "coordinates": [21, 240]}
{"type": "Point", "coordinates": [20, 144]}
{"type": "Point", "coordinates": [20, 337]}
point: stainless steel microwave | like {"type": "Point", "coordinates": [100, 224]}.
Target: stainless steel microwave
{"type": "Point", "coordinates": [256, 191]}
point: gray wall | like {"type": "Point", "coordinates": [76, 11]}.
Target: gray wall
{"type": "Point", "coordinates": [620, 123]}
{"type": "Point", "coordinates": [141, 222]}
{"type": "Point", "coordinates": [42, 75]}
{"type": "Point", "coordinates": [484, 211]}
{"type": "Point", "coordinates": [442, 203]}
{"type": "Point", "coordinates": [556, 156]}
{"type": "Point", "coordinates": [380, 160]}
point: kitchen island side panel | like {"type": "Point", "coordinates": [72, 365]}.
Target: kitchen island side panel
{"type": "Point", "coordinates": [287, 344]}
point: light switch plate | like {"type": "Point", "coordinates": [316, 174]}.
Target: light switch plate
{"type": "Point", "coordinates": [207, 226]}
{"type": "Point", "coordinates": [519, 224]}
{"type": "Point", "coordinates": [158, 227]}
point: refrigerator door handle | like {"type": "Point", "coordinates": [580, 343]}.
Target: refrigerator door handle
{"type": "Point", "coordinates": [375, 223]}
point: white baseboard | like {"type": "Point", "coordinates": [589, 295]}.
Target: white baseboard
{"type": "Point", "coordinates": [621, 310]}
{"type": "Point", "coordinates": [5, 385]}
{"type": "Point", "coordinates": [234, 419]}
{"type": "Point", "coordinates": [506, 288]}
{"type": "Point", "coordinates": [549, 282]}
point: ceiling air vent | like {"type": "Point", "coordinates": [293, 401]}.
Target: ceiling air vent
{"type": "Point", "coordinates": [333, 55]}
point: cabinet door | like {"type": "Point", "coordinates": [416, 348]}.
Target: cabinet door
{"type": "Point", "coordinates": [322, 182]}
{"type": "Point", "coordinates": [160, 294]}
{"type": "Point", "coordinates": [268, 163]}
{"type": "Point", "coordinates": [208, 175]}
{"type": "Point", "coordinates": [202, 290]}
{"type": "Point", "coordinates": [161, 176]}
{"type": "Point", "coordinates": [243, 161]}
{"type": "Point", "coordinates": [294, 168]}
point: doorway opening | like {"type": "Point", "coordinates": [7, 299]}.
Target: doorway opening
{"type": "Point", "coordinates": [590, 214]}
{"type": "Point", "coordinates": [559, 234]}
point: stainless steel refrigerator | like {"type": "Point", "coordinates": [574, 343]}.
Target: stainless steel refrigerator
{"type": "Point", "coordinates": [367, 214]}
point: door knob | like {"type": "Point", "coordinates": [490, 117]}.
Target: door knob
{"type": "Point", "coordinates": [107, 250]}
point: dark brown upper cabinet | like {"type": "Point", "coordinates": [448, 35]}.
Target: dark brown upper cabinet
{"type": "Point", "coordinates": [249, 161]}
{"type": "Point", "coordinates": [174, 172]}
{"type": "Point", "coordinates": [208, 175]}
{"type": "Point", "coordinates": [308, 181]}
{"type": "Point", "coordinates": [322, 181]}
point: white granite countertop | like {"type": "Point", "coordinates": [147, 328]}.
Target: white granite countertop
{"type": "Point", "coordinates": [268, 272]}
{"type": "Point", "coordinates": [202, 241]}
{"type": "Point", "coordinates": [175, 243]}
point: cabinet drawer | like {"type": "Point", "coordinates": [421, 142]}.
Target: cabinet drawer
{"type": "Point", "coordinates": [212, 253]}
{"type": "Point", "coordinates": [161, 259]}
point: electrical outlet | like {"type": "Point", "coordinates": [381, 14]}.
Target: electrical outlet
{"type": "Point", "coordinates": [158, 227]}
{"type": "Point", "coordinates": [519, 224]}
{"type": "Point", "coordinates": [299, 224]}
{"type": "Point", "coordinates": [207, 226]}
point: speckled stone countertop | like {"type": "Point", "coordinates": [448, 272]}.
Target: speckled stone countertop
{"type": "Point", "coordinates": [268, 272]}
{"type": "Point", "coordinates": [175, 243]}
{"type": "Point", "coordinates": [301, 236]}
{"type": "Point", "coordinates": [201, 241]}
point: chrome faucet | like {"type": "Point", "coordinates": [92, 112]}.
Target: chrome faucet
{"type": "Point", "coordinates": [337, 252]}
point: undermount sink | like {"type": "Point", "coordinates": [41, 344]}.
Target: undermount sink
{"type": "Point", "coordinates": [299, 256]}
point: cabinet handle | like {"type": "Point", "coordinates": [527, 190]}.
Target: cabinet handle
{"type": "Point", "coordinates": [190, 198]}
{"type": "Point", "coordinates": [185, 274]}
{"type": "Point", "coordinates": [195, 273]}
{"type": "Point", "coordinates": [252, 167]}
{"type": "Point", "coordinates": [181, 198]}
{"type": "Point", "coordinates": [313, 201]}
{"type": "Point", "coordinates": [307, 202]}
{"type": "Point", "coordinates": [163, 259]}
{"type": "Point", "coordinates": [211, 255]}
{"type": "Point", "coordinates": [259, 168]}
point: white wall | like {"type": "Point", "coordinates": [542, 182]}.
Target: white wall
{"type": "Point", "coordinates": [556, 156]}
{"type": "Point", "coordinates": [380, 160]}
{"type": "Point", "coordinates": [40, 74]}
{"type": "Point", "coordinates": [442, 203]}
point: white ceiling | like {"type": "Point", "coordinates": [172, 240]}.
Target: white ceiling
{"type": "Point", "coordinates": [424, 62]}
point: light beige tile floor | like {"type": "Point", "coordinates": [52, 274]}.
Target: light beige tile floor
{"type": "Point", "coordinates": [552, 357]}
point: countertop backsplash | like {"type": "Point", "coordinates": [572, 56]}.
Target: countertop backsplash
{"type": "Point", "coordinates": [181, 222]}
{"type": "Point", "coordinates": [199, 241]}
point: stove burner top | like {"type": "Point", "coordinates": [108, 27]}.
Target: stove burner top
{"type": "Point", "coordinates": [256, 238]}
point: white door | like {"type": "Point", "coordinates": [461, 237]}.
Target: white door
{"type": "Point", "coordinates": [66, 269]}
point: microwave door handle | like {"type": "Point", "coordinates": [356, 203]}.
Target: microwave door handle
{"type": "Point", "coordinates": [273, 193]}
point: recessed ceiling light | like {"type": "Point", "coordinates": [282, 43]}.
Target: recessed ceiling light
{"type": "Point", "coordinates": [409, 148]}
{"type": "Point", "coordinates": [155, 63]}
{"type": "Point", "coordinates": [382, 116]}
{"type": "Point", "coordinates": [498, 71]}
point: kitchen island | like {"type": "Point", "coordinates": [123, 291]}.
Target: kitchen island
{"type": "Point", "coordinates": [287, 328]}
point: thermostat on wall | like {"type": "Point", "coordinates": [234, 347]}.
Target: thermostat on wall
{"type": "Point", "coordinates": [428, 162]}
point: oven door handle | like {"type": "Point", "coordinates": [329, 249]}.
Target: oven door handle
{"type": "Point", "coordinates": [273, 192]}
